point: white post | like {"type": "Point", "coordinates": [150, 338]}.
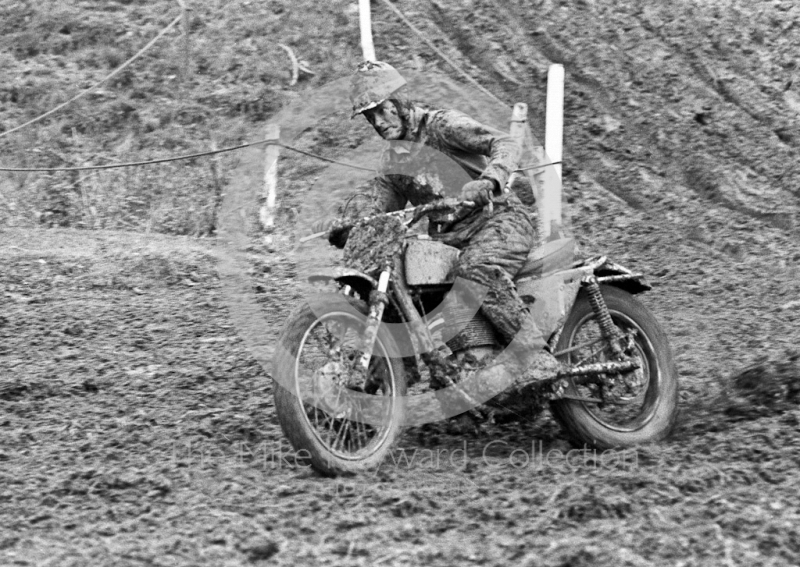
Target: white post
{"type": "Point", "coordinates": [186, 70]}
{"type": "Point", "coordinates": [365, 17]}
{"type": "Point", "coordinates": [554, 126]}
{"type": "Point", "coordinates": [553, 141]}
{"type": "Point", "coordinates": [267, 213]}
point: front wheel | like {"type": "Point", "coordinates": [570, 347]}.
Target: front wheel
{"type": "Point", "coordinates": [642, 407]}
{"type": "Point", "coordinates": [344, 419]}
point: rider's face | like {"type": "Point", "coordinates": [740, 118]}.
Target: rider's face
{"type": "Point", "coordinates": [386, 120]}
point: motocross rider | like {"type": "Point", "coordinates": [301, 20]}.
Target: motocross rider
{"type": "Point", "coordinates": [494, 244]}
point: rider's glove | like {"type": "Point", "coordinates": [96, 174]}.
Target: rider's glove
{"type": "Point", "coordinates": [338, 235]}
{"type": "Point", "coordinates": [478, 191]}
{"type": "Point", "coordinates": [337, 231]}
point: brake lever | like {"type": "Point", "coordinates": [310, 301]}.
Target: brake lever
{"type": "Point", "coordinates": [489, 207]}
{"type": "Point", "coordinates": [422, 210]}
{"type": "Point", "coordinates": [313, 236]}
{"type": "Point", "coordinates": [338, 226]}
{"type": "Point", "coordinates": [419, 212]}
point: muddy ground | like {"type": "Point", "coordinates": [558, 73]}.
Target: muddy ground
{"type": "Point", "coordinates": [138, 426]}
{"type": "Point", "coordinates": [136, 417]}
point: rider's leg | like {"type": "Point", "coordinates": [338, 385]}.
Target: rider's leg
{"type": "Point", "coordinates": [494, 255]}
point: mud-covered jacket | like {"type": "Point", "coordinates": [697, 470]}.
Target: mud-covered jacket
{"type": "Point", "coordinates": [440, 152]}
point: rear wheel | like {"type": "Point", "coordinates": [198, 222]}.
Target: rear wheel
{"type": "Point", "coordinates": [642, 406]}
{"type": "Point", "coordinates": [343, 419]}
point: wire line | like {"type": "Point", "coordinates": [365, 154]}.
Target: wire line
{"type": "Point", "coordinates": [98, 83]}
{"type": "Point", "coordinates": [269, 141]}
{"type": "Point", "coordinates": [240, 146]}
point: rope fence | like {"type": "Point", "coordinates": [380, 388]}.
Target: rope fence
{"type": "Point", "coordinates": [269, 141]}
{"type": "Point", "coordinates": [113, 73]}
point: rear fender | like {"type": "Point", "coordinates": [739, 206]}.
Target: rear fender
{"type": "Point", "coordinates": [619, 276]}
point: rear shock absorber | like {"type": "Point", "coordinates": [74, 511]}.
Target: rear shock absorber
{"type": "Point", "coordinates": [607, 327]}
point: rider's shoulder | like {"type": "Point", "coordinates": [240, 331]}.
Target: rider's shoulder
{"type": "Point", "coordinates": [453, 122]}
{"type": "Point", "coordinates": [446, 115]}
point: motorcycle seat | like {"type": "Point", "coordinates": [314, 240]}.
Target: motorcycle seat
{"type": "Point", "coordinates": [549, 257]}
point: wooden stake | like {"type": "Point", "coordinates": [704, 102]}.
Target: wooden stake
{"type": "Point", "coordinates": [186, 68]}
{"type": "Point", "coordinates": [520, 131]}
{"type": "Point", "coordinates": [365, 19]}
{"type": "Point", "coordinates": [267, 213]}
{"type": "Point", "coordinates": [214, 165]}
{"type": "Point", "coordinates": [519, 117]}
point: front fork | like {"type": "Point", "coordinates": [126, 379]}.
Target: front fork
{"type": "Point", "coordinates": [378, 299]}
{"type": "Point", "coordinates": [377, 303]}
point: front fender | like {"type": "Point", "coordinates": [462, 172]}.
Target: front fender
{"type": "Point", "coordinates": [359, 281]}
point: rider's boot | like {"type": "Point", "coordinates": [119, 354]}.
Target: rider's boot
{"type": "Point", "coordinates": [529, 350]}
{"type": "Point", "coordinates": [524, 362]}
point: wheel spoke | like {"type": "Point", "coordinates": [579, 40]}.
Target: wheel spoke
{"type": "Point", "coordinates": [325, 362]}
{"type": "Point", "coordinates": [622, 403]}
{"type": "Point", "coordinates": [569, 350]}
{"type": "Point", "coordinates": [361, 430]}
{"type": "Point", "coordinates": [342, 433]}
{"type": "Point", "coordinates": [591, 356]}
{"type": "Point", "coordinates": [331, 429]}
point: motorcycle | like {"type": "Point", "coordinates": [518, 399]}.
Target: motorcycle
{"type": "Point", "coordinates": [346, 359]}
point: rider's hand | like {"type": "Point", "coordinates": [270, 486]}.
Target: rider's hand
{"type": "Point", "coordinates": [478, 191]}
{"type": "Point", "coordinates": [338, 235]}
{"type": "Point", "coordinates": [337, 230]}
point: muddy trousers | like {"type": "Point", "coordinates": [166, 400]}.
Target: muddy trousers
{"type": "Point", "coordinates": [494, 254]}
{"type": "Point", "coordinates": [491, 258]}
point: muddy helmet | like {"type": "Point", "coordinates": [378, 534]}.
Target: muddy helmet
{"type": "Point", "coordinates": [372, 83]}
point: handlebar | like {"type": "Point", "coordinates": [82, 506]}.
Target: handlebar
{"type": "Point", "coordinates": [418, 212]}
